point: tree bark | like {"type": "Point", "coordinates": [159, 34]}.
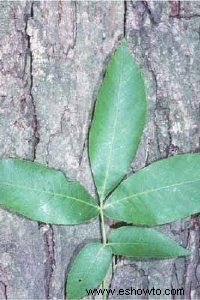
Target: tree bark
{"type": "Point", "coordinates": [53, 55]}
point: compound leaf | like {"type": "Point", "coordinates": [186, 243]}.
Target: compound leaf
{"type": "Point", "coordinates": [43, 194]}
{"type": "Point", "coordinates": [163, 192]}
{"type": "Point", "coordinates": [142, 242]}
{"type": "Point", "coordinates": [118, 122]}
{"type": "Point", "coordinates": [88, 270]}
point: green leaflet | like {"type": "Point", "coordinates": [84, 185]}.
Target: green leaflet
{"type": "Point", "coordinates": [163, 192]}
{"type": "Point", "coordinates": [43, 194]}
{"type": "Point", "coordinates": [118, 121]}
{"type": "Point", "coordinates": [88, 270]}
{"type": "Point", "coordinates": [143, 242]}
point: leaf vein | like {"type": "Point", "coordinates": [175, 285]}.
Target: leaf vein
{"type": "Point", "coordinates": [151, 191]}
{"type": "Point", "coordinates": [113, 136]}
{"type": "Point", "coordinates": [47, 192]}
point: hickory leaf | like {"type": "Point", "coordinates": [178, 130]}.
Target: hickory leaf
{"type": "Point", "coordinates": [88, 269]}
{"type": "Point", "coordinates": [43, 194]}
{"type": "Point", "coordinates": [163, 192]}
{"type": "Point", "coordinates": [142, 243]}
{"type": "Point", "coordinates": [118, 121]}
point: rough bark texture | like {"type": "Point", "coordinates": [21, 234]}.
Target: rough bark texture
{"type": "Point", "coordinates": [52, 58]}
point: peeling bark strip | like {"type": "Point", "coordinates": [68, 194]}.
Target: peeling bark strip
{"type": "Point", "coordinates": [50, 259]}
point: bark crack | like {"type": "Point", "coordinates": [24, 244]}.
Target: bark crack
{"type": "Point", "coordinates": [125, 17]}
{"type": "Point", "coordinates": [149, 13]}
{"type": "Point", "coordinates": [3, 288]}
{"type": "Point", "coordinates": [50, 259]}
{"type": "Point", "coordinates": [29, 56]}
{"type": "Point", "coordinates": [82, 151]}
{"type": "Point", "coordinates": [59, 11]}
{"type": "Point", "coordinates": [74, 25]}
{"type": "Point", "coordinates": [170, 145]}
{"type": "Point", "coordinates": [148, 146]}
{"type": "Point", "coordinates": [57, 132]}
{"type": "Point", "coordinates": [154, 77]}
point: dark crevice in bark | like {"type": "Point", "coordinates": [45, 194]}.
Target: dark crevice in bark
{"type": "Point", "coordinates": [169, 146]}
{"type": "Point", "coordinates": [116, 263]}
{"type": "Point", "coordinates": [30, 57]}
{"type": "Point", "coordinates": [59, 11]}
{"type": "Point", "coordinates": [53, 135]}
{"type": "Point", "coordinates": [149, 12]}
{"type": "Point", "coordinates": [121, 263]}
{"type": "Point", "coordinates": [82, 151]}
{"type": "Point", "coordinates": [175, 275]}
{"type": "Point", "coordinates": [3, 288]}
{"type": "Point", "coordinates": [74, 25]}
{"type": "Point", "coordinates": [154, 77]}
{"type": "Point", "coordinates": [47, 151]}
{"type": "Point", "coordinates": [143, 275]}
{"type": "Point", "coordinates": [148, 145]}
{"type": "Point", "coordinates": [125, 17]}
{"type": "Point", "coordinates": [62, 119]}
{"type": "Point", "coordinates": [50, 259]}
{"type": "Point", "coordinates": [178, 277]}
{"type": "Point", "coordinates": [187, 17]}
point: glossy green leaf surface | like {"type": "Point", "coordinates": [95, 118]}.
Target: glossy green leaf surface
{"type": "Point", "coordinates": [43, 194]}
{"type": "Point", "coordinates": [88, 270]}
{"type": "Point", "coordinates": [142, 242]}
{"type": "Point", "coordinates": [118, 122]}
{"type": "Point", "coordinates": [163, 192]}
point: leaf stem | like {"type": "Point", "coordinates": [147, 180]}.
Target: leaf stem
{"type": "Point", "coordinates": [104, 238]}
{"type": "Point", "coordinates": [103, 229]}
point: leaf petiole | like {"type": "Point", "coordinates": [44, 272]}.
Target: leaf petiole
{"type": "Point", "coordinates": [104, 238]}
{"type": "Point", "coordinates": [103, 229]}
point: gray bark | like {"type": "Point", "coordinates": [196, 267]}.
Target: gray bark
{"type": "Point", "coordinates": [52, 59]}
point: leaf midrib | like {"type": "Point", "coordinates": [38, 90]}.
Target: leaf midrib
{"type": "Point", "coordinates": [46, 192]}
{"type": "Point", "coordinates": [150, 191]}
{"type": "Point", "coordinates": [122, 243]}
{"type": "Point", "coordinates": [113, 136]}
{"type": "Point", "coordinates": [143, 243]}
